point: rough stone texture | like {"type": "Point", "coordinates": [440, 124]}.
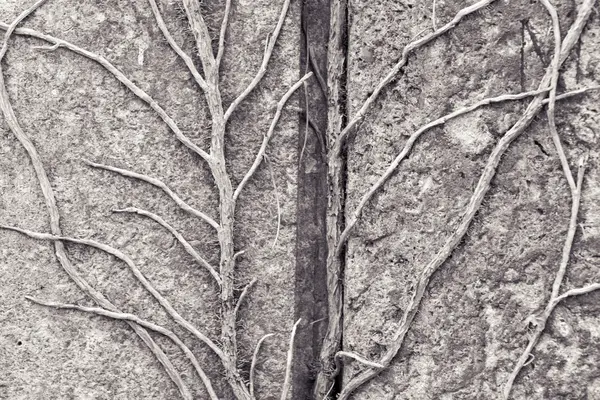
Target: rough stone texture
{"type": "Point", "coordinates": [471, 327]}
{"type": "Point", "coordinates": [73, 110]}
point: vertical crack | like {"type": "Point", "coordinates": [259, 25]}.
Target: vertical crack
{"type": "Point", "coordinates": [311, 243]}
{"type": "Point", "coordinates": [328, 375]}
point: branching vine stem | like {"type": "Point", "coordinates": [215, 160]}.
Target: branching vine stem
{"type": "Point", "coordinates": [263, 148]}
{"type": "Point", "coordinates": [136, 272]}
{"type": "Point", "coordinates": [54, 217]}
{"type": "Point", "coordinates": [136, 90]}
{"type": "Point", "coordinates": [189, 63]}
{"type": "Point", "coordinates": [540, 322]}
{"type": "Point", "coordinates": [408, 50]}
{"type": "Point", "coordinates": [352, 221]}
{"type": "Point", "coordinates": [262, 70]}
{"type": "Point", "coordinates": [215, 158]}
{"type": "Point", "coordinates": [186, 245]}
{"type": "Point", "coordinates": [475, 201]}
{"type": "Point", "coordinates": [146, 324]}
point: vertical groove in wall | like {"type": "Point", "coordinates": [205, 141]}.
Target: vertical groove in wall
{"type": "Point", "coordinates": [311, 245]}
{"type": "Point", "coordinates": [325, 385]}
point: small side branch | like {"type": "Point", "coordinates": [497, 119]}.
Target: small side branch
{"type": "Point", "coordinates": [287, 383]}
{"type": "Point", "coordinates": [576, 292]}
{"type": "Point", "coordinates": [15, 23]}
{"type": "Point", "coordinates": [271, 40]}
{"type": "Point", "coordinates": [267, 137]}
{"type": "Point", "coordinates": [159, 184]}
{"type": "Point", "coordinates": [136, 90]}
{"type": "Point", "coordinates": [223, 33]}
{"type": "Point", "coordinates": [186, 58]}
{"type": "Point", "coordinates": [345, 354]}
{"type": "Point", "coordinates": [146, 324]}
{"type": "Point", "coordinates": [243, 295]}
{"type": "Point", "coordinates": [411, 47]}
{"type": "Point", "coordinates": [255, 360]}
{"type": "Point", "coordinates": [186, 245]}
{"type": "Point", "coordinates": [136, 272]}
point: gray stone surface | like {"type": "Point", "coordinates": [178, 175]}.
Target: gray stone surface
{"type": "Point", "coordinates": [73, 110]}
{"type": "Point", "coordinates": [471, 327]}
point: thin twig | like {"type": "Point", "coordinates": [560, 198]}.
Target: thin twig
{"type": "Point", "coordinates": [146, 324]}
{"type": "Point", "coordinates": [15, 23]}
{"type": "Point", "coordinates": [202, 36]}
{"type": "Point", "coordinates": [400, 64]}
{"type": "Point", "coordinates": [287, 383]}
{"type": "Point", "coordinates": [576, 199]}
{"type": "Point", "coordinates": [159, 184]}
{"type": "Point", "coordinates": [277, 202]}
{"type": "Point", "coordinates": [408, 147]}
{"type": "Point", "coordinates": [576, 292]}
{"type": "Point", "coordinates": [59, 247]}
{"type": "Point", "coordinates": [351, 223]}
{"type": "Point", "coordinates": [186, 245]}
{"type": "Point", "coordinates": [474, 203]}
{"type": "Point", "coordinates": [137, 91]}
{"type": "Point", "coordinates": [346, 354]}
{"type": "Point", "coordinates": [267, 137]}
{"type": "Point", "coordinates": [262, 70]}
{"type": "Point", "coordinates": [243, 295]}
{"type": "Point", "coordinates": [317, 71]}
{"type": "Point", "coordinates": [542, 321]}
{"type": "Point", "coordinates": [572, 93]}
{"type": "Point", "coordinates": [186, 58]}
{"type": "Point", "coordinates": [552, 99]}
{"type": "Point", "coordinates": [255, 360]}
{"type": "Point", "coordinates": [238, 254]}
{"type": "Point", "coordinates": [223, 33]}
{"type": "Point", "coordinates": [136, 272]}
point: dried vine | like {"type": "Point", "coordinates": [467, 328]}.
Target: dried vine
{"type": "Point", "coordinates": [339, 228]}
{"type": "Point", "coordinates": [547, 85]}
{"type": "Point", "coordinates": [226, 348]}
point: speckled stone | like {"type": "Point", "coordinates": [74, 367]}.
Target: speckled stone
{"type": "Point", "coordinates": [74, 110]}
{"type": "Point", "coordinates": [471, 326]}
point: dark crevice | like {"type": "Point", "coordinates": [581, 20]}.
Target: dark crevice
{"type": "Point", "coordinates": [344, 109]}
{"type": "Point", "coordinates": [536, 45]}
{"type": "Point", "coordinates": [311, 242]}
{"type": "Point", "coordinates": [539, 145]}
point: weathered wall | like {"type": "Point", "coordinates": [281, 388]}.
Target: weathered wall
{"type": "Point", "coordinates": [471, 327]}
{"type": "Point", "coordinates": [73, 110]}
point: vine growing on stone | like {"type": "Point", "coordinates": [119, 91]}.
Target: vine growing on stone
{"type": "Point", "coordinates": [331, 382]}
{"type": "Point", "coordinates": [226, 348]}
{"type": "Point", "coordinates": [340, 227]}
